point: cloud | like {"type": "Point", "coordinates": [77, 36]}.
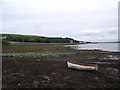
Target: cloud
{"type": "Point", "coordinates": [105, 34]}
{"type": "Point", "coordinates": [80, 19]}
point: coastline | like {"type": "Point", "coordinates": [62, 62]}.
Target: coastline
{"type": "Point", "coordinates": [52, 72]}
{"type": "Point", "coordinates": [108, 46]}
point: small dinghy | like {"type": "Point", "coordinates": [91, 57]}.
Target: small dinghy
{"type": "Point", "coordinates": [82, 66]}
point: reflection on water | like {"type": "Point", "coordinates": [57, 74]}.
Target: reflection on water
{"type": "Point", "coordinates": [100, 46]}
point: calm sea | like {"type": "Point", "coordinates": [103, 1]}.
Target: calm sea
{"type": "Point", "coordinates": [100, 46]}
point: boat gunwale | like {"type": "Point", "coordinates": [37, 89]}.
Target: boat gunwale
{"type": "Point", "coordinates": [83, 64]}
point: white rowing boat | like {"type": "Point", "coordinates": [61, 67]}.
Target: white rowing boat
{"type": "Point", "coordinates": [82, 66]}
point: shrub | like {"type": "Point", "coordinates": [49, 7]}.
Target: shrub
{"type": "Point", "coordinates": [5, 42]}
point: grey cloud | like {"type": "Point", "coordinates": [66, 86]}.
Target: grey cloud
{"type": "Point", "coordinates": [78, 22]}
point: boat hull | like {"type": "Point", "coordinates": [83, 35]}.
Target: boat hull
{"type": "Point", "coordinates": [82, 67]}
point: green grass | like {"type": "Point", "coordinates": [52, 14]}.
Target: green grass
{"type": "Point", "coordinates": [37, 54]}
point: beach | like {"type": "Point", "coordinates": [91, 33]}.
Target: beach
{"type": "Point", "coordinates": [51, 71]}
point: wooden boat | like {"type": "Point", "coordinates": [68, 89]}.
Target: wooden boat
{"type": "Point", "coordinates": [82, 66]}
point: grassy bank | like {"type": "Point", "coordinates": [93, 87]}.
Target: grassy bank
{"type": "Point", "coordinates": [37, 54]}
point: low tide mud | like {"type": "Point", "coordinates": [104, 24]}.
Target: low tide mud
{"type": "Point", "coordinates": [52, 72]}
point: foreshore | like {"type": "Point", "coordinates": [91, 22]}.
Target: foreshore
{"type": "Point", "coordinates": [52, 72]}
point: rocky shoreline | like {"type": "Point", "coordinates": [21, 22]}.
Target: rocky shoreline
{"type": "Point", "coordinates": [52, 72]}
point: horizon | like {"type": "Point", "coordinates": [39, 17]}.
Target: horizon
{"type": "Point", "coordinates": [83, 20]}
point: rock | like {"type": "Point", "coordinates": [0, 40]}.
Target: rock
{"type": "Point", "coordinates": [18, 84]}
{"type": "Point", "coordinates": [96, 78]}
{"type": "Point", "coordinates": [36, 83]}
{"type": "Point", "coordinates": [15, 74]}
{"type": "Point", "coordinates": [112, 71]}
{"type": "Point", "coordinates": [67, 77]}
{"type": "Point", "coordinates": [45, 77]}
{"type": "Point", "coordinates": [37, 60]}
{"type": "Point", "coordinates": [53, 73]}
{"type": "Point", "coordinates": [21, 56]}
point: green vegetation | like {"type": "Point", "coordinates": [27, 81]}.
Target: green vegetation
{"type": "Point", "coordinates": [37, 54]}
{"type": "Point", "coordinates": [0, 42]}
{"type": "Point", "coordinates": [39, 39]}
{"type": "Point", "coordinates": [5, 42]}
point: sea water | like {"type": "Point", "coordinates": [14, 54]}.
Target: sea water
{"type": "Point", "coordinates": [114, 47]}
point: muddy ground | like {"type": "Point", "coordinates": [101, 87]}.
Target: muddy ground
{"type": "Point", "coordinates": [52, 72]}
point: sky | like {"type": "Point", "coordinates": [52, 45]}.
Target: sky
{"type": "Point", "coordinates": [84, 20]}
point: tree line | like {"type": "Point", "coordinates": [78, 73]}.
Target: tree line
{"type": "Point", "coordinates": [38, 39]}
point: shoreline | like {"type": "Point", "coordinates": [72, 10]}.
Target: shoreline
{"type": "Point", "coordinates": [110, 47]}
{"type": "Point", "coordinates": [52, 72]}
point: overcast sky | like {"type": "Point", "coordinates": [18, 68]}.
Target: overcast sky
{"type": "Point", "coordinates": [89, 20]}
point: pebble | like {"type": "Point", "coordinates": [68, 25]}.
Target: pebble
{"type": "Point", "coordinates": [36, 83]}
{"type": "Point", "coordinates": [37, 60]}
{"type": "Point", "coordinates": [96, 78]}
{"type": "Point", "coordinates": [45, 77]}
{"type": "Point", "coordinates": [19, 84]}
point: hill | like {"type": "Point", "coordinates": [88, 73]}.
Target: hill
{"type": "Point", "coordinates": [37, 39]}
